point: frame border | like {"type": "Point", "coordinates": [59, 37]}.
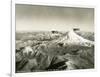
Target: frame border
{"type": "Point", "coordinates": [13, 35]}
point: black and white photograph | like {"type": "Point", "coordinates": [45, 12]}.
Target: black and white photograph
{"type": "Point", "coordinates": [53, 38]}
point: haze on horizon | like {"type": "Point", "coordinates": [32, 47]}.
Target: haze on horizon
{"type": "Point", "coordinates": [47, 18]}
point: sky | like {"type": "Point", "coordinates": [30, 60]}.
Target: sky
{"type": "Point", "coordinates": [47, 18]}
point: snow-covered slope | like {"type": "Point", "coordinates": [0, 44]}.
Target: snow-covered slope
{"type": "Point", "coordinates": [73, 39]}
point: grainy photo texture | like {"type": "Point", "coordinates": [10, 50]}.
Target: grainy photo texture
{"type": "Point", "coordinates": [53, 38]}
